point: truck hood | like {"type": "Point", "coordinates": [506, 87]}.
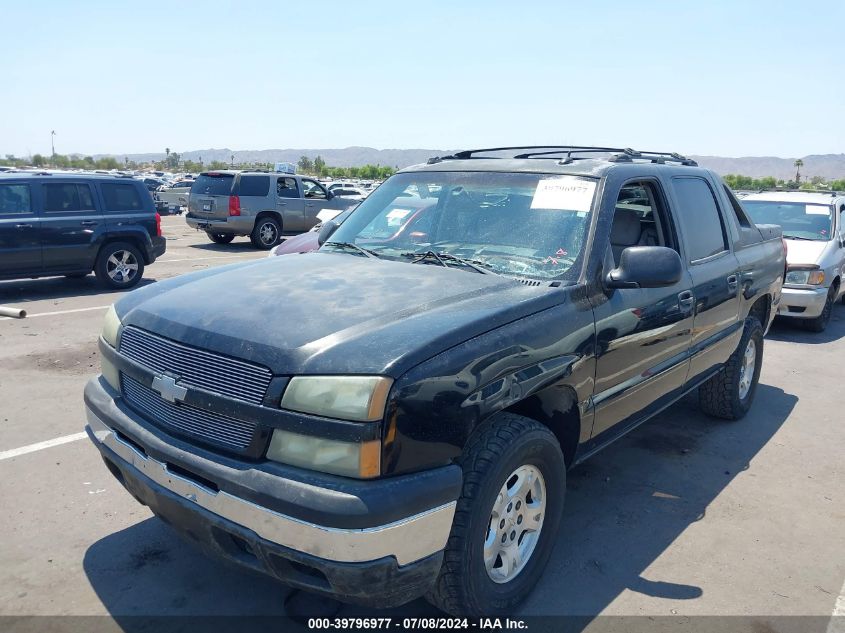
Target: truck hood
{"type": "Point", "coordinates": [332, 313]}
{"type": "Point", "coordinates": [805, 251]}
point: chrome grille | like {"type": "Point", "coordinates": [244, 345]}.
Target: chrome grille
{"type": "Point", "coordinates": [195, 367]}
{"type": "Point", "coordinates": [228, 432]}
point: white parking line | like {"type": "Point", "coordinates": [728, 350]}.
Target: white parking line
{"type": "Point", "coordinates": [837, 618]}
{"type": "Point", "coordinates": [41, 314]}
{"type": "Point", "coordinates": [23, 450]}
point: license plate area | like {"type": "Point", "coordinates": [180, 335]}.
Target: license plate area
{"type": "Point", "coordinates": [207, 206]}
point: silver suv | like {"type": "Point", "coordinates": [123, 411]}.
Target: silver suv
{"type": "Point", "coordinates": [814, 231]}
{"type": "Point", "coordinates": [261, 205]}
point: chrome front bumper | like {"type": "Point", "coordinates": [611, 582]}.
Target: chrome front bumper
{"type": "Point", "coordinates": [407, 540]}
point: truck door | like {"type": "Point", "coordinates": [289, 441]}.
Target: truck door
{"type": "Point", "coordinates": [291, 205]}
{"type": "Point", "coordinates": [642, 334]}
{"type": "Point", "coordinates": [20, 230]}
{"type": "Point", "coordinates": [715, 274]}
{"type": "Point", "coordinates": [70, 222]}
{"type": "Point", "coordinates": [316, 199]}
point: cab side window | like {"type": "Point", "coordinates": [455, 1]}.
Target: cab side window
{"type": "Point", "coordinates": [313, 189]}
{"type": "Point", "coordinates": [287, 188]}
{"type": "Point", "coordinates": [702, 221]}
{"type": "Point", "coordinates": [639, 219]}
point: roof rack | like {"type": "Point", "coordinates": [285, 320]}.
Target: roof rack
{"type": "Point", "coordinates": [831, 192]}
{"type": "Point", "coordinates": [618, 155]}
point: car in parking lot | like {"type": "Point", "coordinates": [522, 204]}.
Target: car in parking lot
{"type": "Point", "coordinates": [172, 198]}
{"type": "Point", "coordinates": [260, 205]}
{"type": "Point", "coordinates": [814, 231]}
{"type": "Point", "coordinates": [54, 223]}
{"type": "Point", "coordinates": [400, 421]}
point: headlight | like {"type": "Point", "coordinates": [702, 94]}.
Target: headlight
{"type": "Point", "coordinates": [359, 398]}
{"type": "Point", "coordinates": [111, 330]}
{"type": "Point", "coordinates": [805, 277]}
{"type": "Point", "coordinates": [350, 459]}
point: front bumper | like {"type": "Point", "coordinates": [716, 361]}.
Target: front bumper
{"type": "Point", "coordinates": [236, 224]}
{"type": "Point", "coordinates": [380, 565]}
{"type": "Point", "coordinates": [802, 303]}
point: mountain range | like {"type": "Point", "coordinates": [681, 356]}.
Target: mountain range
{"type": "Point", "coordinates": [828, 166]}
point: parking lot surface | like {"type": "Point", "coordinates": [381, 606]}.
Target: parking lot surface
{"type": "Point", "coordinates": [684, 516]}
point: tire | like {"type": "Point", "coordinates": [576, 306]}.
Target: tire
{"type": "Point", "coordinates": [220, 238]}
{"type": "Point", "coordinates": [819, 324]}
{"type": "Point", "coordinates": [266, 233]}
{"type": "Point", "coordinates": [729, 394]}
{"type": "Point", "coordinates": [506, 446]}
{"type": "Point", "coordinates": [108, 264]}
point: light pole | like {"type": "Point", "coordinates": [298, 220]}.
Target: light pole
{"type": "Point", "coordinates": [233, 160]}
{"type": "Point", "coordinates": [53, 144]}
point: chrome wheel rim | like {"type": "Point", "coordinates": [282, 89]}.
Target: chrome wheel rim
{"type": "Point", "coordinates": [267, 233]}
{"type": "Point", "coordinates": [746, 371]}
{"type": "Point", "coordinates": [515, 524]}
{"type": "Point", "coordinates": [121, 266]}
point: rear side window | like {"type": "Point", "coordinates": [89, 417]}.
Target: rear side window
{"type": "Point", "coordinates": [705, 231]}
{"type": "Point", "coordinates": [213, 185]}
{"type": "Point", "coordinates": [121, 197]}
{"type": "Point", "coordinates": [15, 199]}
{"type": "Point", "coordinates": [254, 186]}
{"type": "Point", "coordinates": [65, 197]}
{"type": "Point", "coordinates": [739, 212]}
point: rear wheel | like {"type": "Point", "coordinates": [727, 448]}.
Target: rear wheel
{"type": "Point", "coordinates": [729, 394]}
{"type": "Point", "coordinates": [819, 324]}
{"type": "Point", "coordinates": [220, 238]}
{"type": "Point", "coordinates": [119, 265]}
{"type": "Point", "coordinates": [266, 233]}
{"type": "Point", "coordinates": [506, 520]}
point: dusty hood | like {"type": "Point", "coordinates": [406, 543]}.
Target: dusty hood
{"type": "Point", "coordinates": [331, 312]}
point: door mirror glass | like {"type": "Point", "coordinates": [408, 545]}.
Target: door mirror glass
{"type": "Point", "coordinates": [646, 267]}
{"type": "Point", "coordinates": [329, 227]}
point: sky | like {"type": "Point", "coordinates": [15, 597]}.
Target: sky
{"type": "Point", "coordinates": [722, 77]}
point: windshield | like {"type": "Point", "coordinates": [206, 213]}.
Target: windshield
{"type": "Point", "coordinates": [521, 224]}
{"type": "Point", "coordinates": [798, 220]}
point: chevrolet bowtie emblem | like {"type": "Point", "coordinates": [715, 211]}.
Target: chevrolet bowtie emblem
{"type": "Point", "coordinates": [169, 390]}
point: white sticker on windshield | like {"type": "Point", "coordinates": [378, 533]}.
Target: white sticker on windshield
{"type": "Point", "coordinates": [817, 209]}
{"type": "Point", "coordinates": [398, 214]}
{"type": "Point", "coordinates": [564, 194]}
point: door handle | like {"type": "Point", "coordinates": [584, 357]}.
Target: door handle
{"type": "Point", "coordinates": [733, 282]}
{"type": "Point", "coordinates": [282, 204]}
{"type": "Point", "coordinates": [89, 223]}
{"type": "Point", "coordinates": [686, 300]}
{"type": "Point", "coordinates": [23, 226]}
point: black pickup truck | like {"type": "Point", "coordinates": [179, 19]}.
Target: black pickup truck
{"type": "Point", "coordinates": [394, 414]}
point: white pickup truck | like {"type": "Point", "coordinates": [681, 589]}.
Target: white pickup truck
{"type": "Point", "coordinates": [173, 198]}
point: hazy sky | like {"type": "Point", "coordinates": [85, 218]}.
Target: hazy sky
{"type": "Point", "coordinates": [727, 77]}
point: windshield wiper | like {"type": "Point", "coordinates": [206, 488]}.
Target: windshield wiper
{"type": "Point", "coordinates": [442, 258]}
{"type": "Point", "coordinates": [355, 247]}
{"type": "Point", "coordinates": [798, 237]}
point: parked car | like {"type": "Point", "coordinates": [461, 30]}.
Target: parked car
{"type": "Point", "coordinates": [67, 224]}
{"type": "Point", "coordinates": [382, 420]}
{"type": "Point", "coordinates": [409, 218]}
{"type": "Point", "coordinates": [173, 198]}
{"type": "Point", "coordinates": [815, 236]}
{"type": "Point", "coordinates": [262, 205]}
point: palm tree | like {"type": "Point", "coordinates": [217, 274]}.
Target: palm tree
{"type": "Point", "coordinates": [798, 165]}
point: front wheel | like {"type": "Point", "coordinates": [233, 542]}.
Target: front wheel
{"type": "Point", "coordinates": [729, 394]}
{"type": "Point", "coordinates": [819, 324]}
{"type": "Point", "coordinates": [506, 520]}
{"type": "Point", "coordinates": [266, 233]}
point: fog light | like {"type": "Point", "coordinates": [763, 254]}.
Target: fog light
{"type": "Point", "coordinates": [350, 459]}
{"type": "Point", "coordinates": [110, 373]}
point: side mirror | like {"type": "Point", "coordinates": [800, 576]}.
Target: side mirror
{"type": "Point", "coordinates": [646, 267]}
{"type": "Point", "coordinates": [329, 227]}
{"type": "Point", "coordinates": [329, 194]}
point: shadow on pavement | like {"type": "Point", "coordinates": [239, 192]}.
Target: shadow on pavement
{"type": "Point", "coordinates": [624, 508]}
{"type": "Point", "coordinates": [239, 245]}
{"type": "Point", "coordinates": [792, 330]}
{"type": "Point", "coordinates": [23, 290]}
